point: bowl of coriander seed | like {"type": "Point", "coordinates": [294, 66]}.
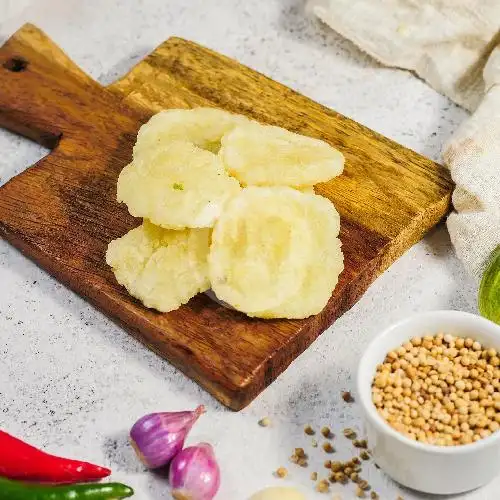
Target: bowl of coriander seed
{"type": "Point", "coordinates": [429, 388]}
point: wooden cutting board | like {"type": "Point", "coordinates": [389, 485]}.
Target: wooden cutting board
{"type": "Point", "coordinates": [62, 212]}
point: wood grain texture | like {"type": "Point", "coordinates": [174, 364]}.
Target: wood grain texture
{"type": "Point", "coordinates": [62, 211]}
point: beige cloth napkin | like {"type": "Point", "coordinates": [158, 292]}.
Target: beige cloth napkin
{"type": "Point", "coordinates": [454, 46]}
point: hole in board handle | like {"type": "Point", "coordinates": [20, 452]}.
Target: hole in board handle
{"type": "Point", "coordinates": [15, 64]}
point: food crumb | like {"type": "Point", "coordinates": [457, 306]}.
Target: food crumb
{"type": "Point", "coordinates": [265, 422]}
{"type": "Point", "coordinates": [178, 186]}
{"type": "Point", "coordinates": [314, 476]}
{"type": "Point", "coordinates": [281, 472]}
{"type": "Point", "coordinates": [309, 430]}
{"type": "Point", "coordinates": [328, 448]}
{"type": "Point", "coordinates": [314, 443]}
{"type": "Point", "coordinates": [347, 397]}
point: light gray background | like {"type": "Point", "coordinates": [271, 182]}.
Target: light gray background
{"type": "Point", "coordinates": [73, 382]}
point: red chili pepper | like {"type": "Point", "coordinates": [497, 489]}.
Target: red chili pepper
{"type": "Point", "coordinates": [19, 460]}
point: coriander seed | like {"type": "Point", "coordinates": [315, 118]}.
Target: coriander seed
{"type": "Point", "coordinates": [327, 447]}
{"type": "Point", "coordinates": [314, 476]}
{"type": "Point", "coordinates": [347, 397]}
{"type": "Point", "coordinates": [323, 486]}
{"type": "Point", "coordinates": [349, 433]}
{"type": "Point", "coordinates": [439, 390]}
{"type": "Point", "coordinates": [364, 485]}
{"type": "Point", "coordinates": [326, 432]}
{"type": "Point", "coordinates": [265, 422]}
{"type": "Point", "coordinates": [364, 455]}
{"type": "Point", "coordinates": [340, 477]}
{"type": "Point", "coordinates": [281, 472]}
{"type": "Point", "coordinates": [309, 430]}
{"type": "Point", "coordinates": [336, 466]}
{"type": "Point", "coordinates": [360, 493]}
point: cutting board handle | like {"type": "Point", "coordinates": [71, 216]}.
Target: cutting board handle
{"type": "Point", "coordinates": [43, 94]}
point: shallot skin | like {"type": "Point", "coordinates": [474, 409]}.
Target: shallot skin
{"type": "Point", "coordinates": [159, 437]}
{"type": "Point", "coordinates": [195, 474]}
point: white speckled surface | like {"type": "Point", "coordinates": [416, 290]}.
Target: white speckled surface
{"type": "Point", "coordinates": [73, 382]}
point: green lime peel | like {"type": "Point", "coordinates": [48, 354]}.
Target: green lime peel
{"type": "Point", "coordinates": [489, 291]}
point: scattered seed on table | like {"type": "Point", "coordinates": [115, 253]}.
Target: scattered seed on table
{"type": "Point", "coordinates": [314, 443]}
{"type": "Point", "coordinates": [314, 476]}
{"type": "Point", "coordinates": [265, 422]}
{"type": "Point", "coordinates": [355, 460]}
{"type": "Point", "coordinates": [374, 496]}
{"type": "Point", "coordinates": [354, 477]}
{"type": "Point", "coordinates": [360, 493]}
{"type": "Point", "coordinates": [360, 443]}
{"type": "Point", "coordinates": [309, 430]}
{"type": "Point", "coordinates": [326, 432]}
{"type": "Point", "coordinates": [294, 459]}
{"type": "Point", "coordinates": [332, 478]}
{"type": "Point", "coordinates": [340, 477]}
{"type": "Point", "coordinates": [302, 461]}
{"type": "Point", "coordinates": [328, 448]}
{"type": "Point", "coordinates": [364, 485]}
{"type": "Point", "coordinates": [349, 433]}
{"type": "Point", "coordinates": [323, 486]}
{"type": "Point", "coordinates": [281, 472]}
{"type": "Point", "coordinates": [336, 466]}
{"type": "Point", "coordinates": [300, 453]}
{"type": "Point", "coordinates": [347, 397]}
{"type": "Point", "coordinates": [364, 455]}
{"type": "Point", "coordinates": [327, 464]}
{"type": "Point", "coordinates": [348, 470]}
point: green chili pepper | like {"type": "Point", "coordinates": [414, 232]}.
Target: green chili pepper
{"type": "Point", "coordinates": [489, 291]}
{"type": "Point", "coordinates": [16, 490]}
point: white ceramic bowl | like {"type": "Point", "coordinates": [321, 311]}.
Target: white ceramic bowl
{"type": "Point", "coordinates": [420, 466]}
